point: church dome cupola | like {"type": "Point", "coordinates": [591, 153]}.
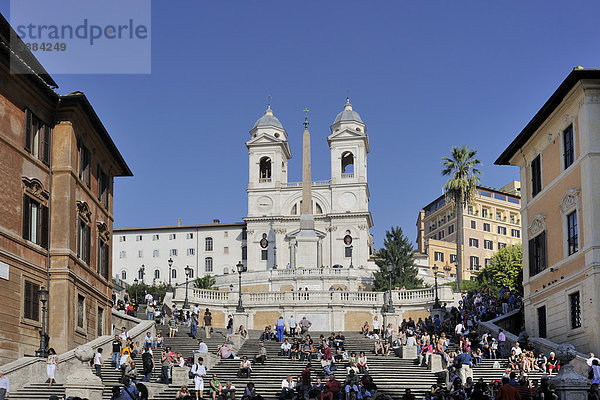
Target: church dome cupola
{"type": "Point", "coordinates": [269, 119]}
{"type": "Point", "coordinates": [348, 114]}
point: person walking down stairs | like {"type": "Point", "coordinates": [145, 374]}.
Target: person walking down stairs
{"type": "Point", "coordinates": [51, 366]}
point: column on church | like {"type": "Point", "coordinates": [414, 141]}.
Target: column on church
{"type": "Point", "coordinates": [292, 253]}
{"type": "Point", "coordinates": [319, 254]}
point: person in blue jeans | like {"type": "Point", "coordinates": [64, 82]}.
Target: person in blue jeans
{"type": "Point", "coordinates": [194, 325]}
{"type": "Point", "coordinates": [280, 328]}
{"type": "Point", "coordinates": [116, 351]}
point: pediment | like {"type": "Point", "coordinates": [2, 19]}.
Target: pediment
{"type": "Point", "coordinates": [268, 140]}
{"type": "Point", "coordinates": [349, 134]}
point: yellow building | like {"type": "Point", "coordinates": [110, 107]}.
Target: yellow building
{"type": "Point", "coordinates": [492, 222]}
{"type": "Point", "coordinates": [558, 153]}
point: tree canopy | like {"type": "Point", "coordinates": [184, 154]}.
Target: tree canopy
{"type": "Point", "coordinates": [505, 270]}
{"type": "Point", "coordinates": [397, 251]}
{"type": "Point", "coordinates": [205, 282]}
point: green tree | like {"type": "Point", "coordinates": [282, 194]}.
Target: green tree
{"type": "Point", "coordinates": [206, 282]}
{"type": "Point", "coordinates": [141, 289]}
{"type": "Point", "coordinates": [460, 190]}
{"type": "Point", "coordinates": [505, 270]}
{"type": "Point", "coordinates": [397, 251]}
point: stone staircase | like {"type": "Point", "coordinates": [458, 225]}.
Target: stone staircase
{"type": "Point", "coordinates": [35, 391]}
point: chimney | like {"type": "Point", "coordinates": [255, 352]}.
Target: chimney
{"type": "Point", "coordinates": [216, 221]}
{"type": "Point", "coordinates": [178, 221]}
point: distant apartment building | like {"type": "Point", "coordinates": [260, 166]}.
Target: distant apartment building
{"type": "Point", "coordinates": [491, 222]}
{"type": "Point", "coordinates": [558, 153]}
{"type": "Point", "coordinates": [57, 164]}
{"type": "Point", "coordinates": [209, 249]}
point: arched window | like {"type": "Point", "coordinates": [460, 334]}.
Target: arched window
{"type": "Point", "coordinates": [347, 165]}
{"type": "Point", "coordinates": [226, 271]}
{"type": "Point", "coordinates": [294, 209]}
{"type": "Point", "coordinates": [208, 244]}
{"type": "Point", "coordinates": [123, 275]}
{"type": "Point", "coordinates": [318, 209]}
{"type": "Point", "coordinates": [208, 264]}
{"type": "Point", "coordinates": [157, 274]}
{"type": "Point", "coordinates": [173, 274]}
{"type": "Point", "coordinates": [265, 169]}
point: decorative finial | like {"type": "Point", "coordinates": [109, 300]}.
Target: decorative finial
{"type": "Point", "coordinates": [347, 96]}
{"type": "Point", "coordinates": [306, 110]}
{"type": "Point", "coordinates": [269, 101]}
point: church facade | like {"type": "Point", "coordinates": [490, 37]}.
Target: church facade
{"type": "Point", "coordinates": [266, 239]}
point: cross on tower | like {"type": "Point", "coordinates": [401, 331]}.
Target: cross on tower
{"type": "Point", "coordinates": [306, 110]}
{"type": "Point", "coordinates": [269, 101]}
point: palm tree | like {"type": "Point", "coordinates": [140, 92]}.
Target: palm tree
{"type": "Point", "coordinates": [460, 191]}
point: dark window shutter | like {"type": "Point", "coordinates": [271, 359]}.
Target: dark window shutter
{"type": "Point", "coordinates": [45, 145]}
{"type": "Point", "coordinates": [26, 218]}
{"type": "Point", "coordinates": [99, 258]}
{"type": "Point", "coordinates": [28, 130]}
{"type": "Point", "coordinates": [88, 246]}
{"type": "Point", "coordinates": [542, 250]}
{"type": "Point", "coordinates": [35, 303]}
{"type": "Point", "coordinates": [532, 257]}
{"type": "Point", "coordinates": [79, 238]}
{"type": "Point", "coordinates": [27, 300]}
{"type": "Point", "coordinates": [44, 234]}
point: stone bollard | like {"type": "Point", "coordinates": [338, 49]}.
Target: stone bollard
{"type": "Point", "coordinates": [569, 385]}
{"type": "Point", "coordinates": [408, 352]}
{"type": "Point", "coordinates": [81, 381]}
{"type": "Point", "coordinates": [180, 376]}
{"type": "Point", "coordinates": [436, 363]}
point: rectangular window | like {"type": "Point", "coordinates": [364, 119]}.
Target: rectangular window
{"type": "Point", "coordinates": [470, 210]}
{"type": "Point", "coordinates": [103, 257]}
{"type": "Point", "coordinates": [99, 321]}
{"type": "Point", "coordinates": [225, 234]}
{"type": "Point", "coordinates": [122, 238]}
{"type": "Point", "coordinates": [537, 254]}
{"type": "Point", "coordinates": [484, 213]}
{"type": "Point", "coordinates": [451, 229]}
{"type": "Point", "coordinates": [225, 250]}
{"type": "Point", "coordinates": [487, 227]}
{"type": "Point", "coordinates": [80, 310]}
{"type": "Point", "coordinates": [31, 301]}
{"type": "Point", "coordinates": [453, 258]}
{"type": "Point", "coordinates": [439, 256]}
{"type": "Point", "coordinates": [155, 253]}
{"type": "Point", "coordinates": [473, 225]}
{"type": "Point", "coordinates": [138, 238]}
{"type": "Point", "coordinates": [569, 155]}
{"type": "Point", "coordinates": [35, 222]}
{"type": "Point", "coordinates": [502, 230]}
{"type": "Point", "coordinates": [103, 187]}
{"type": "Point", "coordinates": [173, 252]}
{"type": "Point", "coordinates": [536, 176]}
{"type": "Point", "coordinates": [140, 253]}
{"type": "Point", "coordinates": [572, 242]}
{"type": "Point", "coordinates": [473, 242]}
{"type": "Point", "coordinates": [191, 251]}
{"type": "Point", "coordinates": [122, 254]}
{"type": "Point", "coordinates": [488, 245]}
{"type": "Point", "coordinates": [501, 245]}
{"type": "Point", "coordinates": [541, 316]}
{"type": "Point", "coordinates": [474, 262]}
{"type": "Point", "coordinates": [513, 219]}
{"type": "Point", "coordinates": [85, 159]}
{"type": "Point", "coordinates": [37, 137]}
{"type": "Point", "coordinates": [498, 215]}
{"type": "Point", "coordinates": [172, 236]}
{"type": "Point", "coordinates": [441, 234]}
{"type": "Point", "coordinates": [155, 237]}
{"type": "Point", "coordinates": [264, 255]}
{"type": "Point", "coordinates": [347, 252]}
{"type": "Point", "coordinates": [515, 233]}
{"type": "Point", "coordinates": [487, 261]}
{"type": "Point", "coordinates": [575, 310]}
{"type": "Point", "coordinates": [83, 241]}
{"type": "Point", "coordinates": [189, 236]}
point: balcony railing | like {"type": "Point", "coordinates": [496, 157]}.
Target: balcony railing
{"type": "Point", "coordinates": [264, 180]}
{"type": "Point", "coordinates": [347, 175]}
{"type": "Point", "coordinates": [314, 183]}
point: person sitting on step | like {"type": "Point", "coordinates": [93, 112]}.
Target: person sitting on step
{"type": "Point", "coordinates": [285, 348]}
{"type": "Point", "coordinates": [245, 368]}
{"type": "Point", "coordinates": [261, 357]}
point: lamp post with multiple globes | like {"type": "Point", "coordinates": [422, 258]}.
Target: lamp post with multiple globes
{"type": "Point", "coordinates": [240, 268]}
{"type": "Point", "coordinates": [170, 262]}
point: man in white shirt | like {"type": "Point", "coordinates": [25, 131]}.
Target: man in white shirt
{"type": "Point", "coordinates": [287, 388]}
{"type": "Point", "coordinates": [411, 341]}
{"type": "Point", "coordinates": [148, 298]}
{"type": "Point", "coordinates": [123, 336]}
{"type": "Point", "coordinates": [591, 359]}
{"type": "Point", "coordinates": [292, 325]}
{"type": "Point", "coordinates": [245, 368]}
{"type": "Point", "coordinates": [517, 349]}
{"type": "Point", "coordinates": [202, 347]}
{"type": "Point", "coordinates": [199, 371]}
{"type": "Point", "coordinates": [286, 346]}
{"type": "Point", "coordinates": [458, 330]}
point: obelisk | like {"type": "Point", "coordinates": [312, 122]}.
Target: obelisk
{"type": "Point", "coordinates": [307, 238]}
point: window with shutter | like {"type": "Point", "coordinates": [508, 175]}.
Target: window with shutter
{"type": "Point", "coordinates": [31, 301]}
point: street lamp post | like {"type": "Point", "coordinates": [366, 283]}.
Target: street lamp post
{"type": "Point", "coordinates": [436, 304]}
{"type": "Point", "coordinates": [390, 305]}
{"type": "Point", "coordinates": [351, 251]}
{"type": "Point", "coordinates": [275, 257]}
{"type": "Point", "coordinates": [188, 270]}
{"type": "Point", "coordinates": [42, 351]}
{"type": "Point", "coordinates": [135, 282]}
{"type": "Point", "coordinates": [240, 268]}
{"type": "Point", "coordinates": [170, 288]}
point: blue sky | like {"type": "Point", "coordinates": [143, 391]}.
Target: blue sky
{"type": "Point", "coordinates": [424, 76]}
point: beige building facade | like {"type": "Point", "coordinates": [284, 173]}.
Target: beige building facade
{"type": "Point", "coordinates": [57, 164]}
{"type": "Point", "coordinates": [492, 222]}
{"type": "Point", "coordinates": [558, 154]}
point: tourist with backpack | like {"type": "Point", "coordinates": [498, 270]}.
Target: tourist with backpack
{"type": "Point", "coordinates": [199, 372]}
